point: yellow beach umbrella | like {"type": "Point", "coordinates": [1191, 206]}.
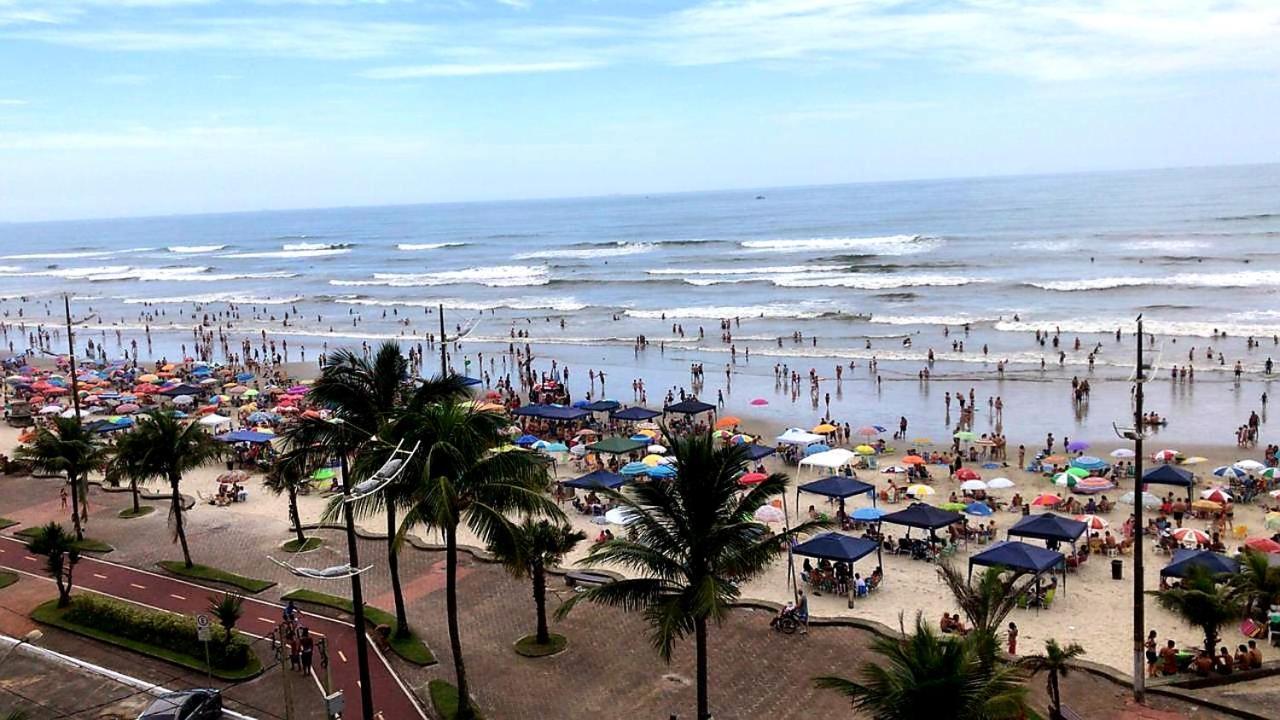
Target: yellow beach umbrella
{"type": "Point", "coordinates": [648, 433]}
{"type": "Point", "coordinates": [652, 460]}
{"type": "Point", "coordinates": [1272, 521]}
{"type": "Point", "coordinates": [919, 491]}
{"type": "Point", "coordinates": [865, 450]}
{"type": "Point", "coordinates": [1195, 460]}
{"type": "Point", "coordinates": [825, 428]}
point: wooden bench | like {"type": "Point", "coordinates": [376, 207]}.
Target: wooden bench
{"type": "Point", "coordinates": [586, 578]}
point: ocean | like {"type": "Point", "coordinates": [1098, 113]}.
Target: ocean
{"type": "Point", "coordinates": [867, 270]}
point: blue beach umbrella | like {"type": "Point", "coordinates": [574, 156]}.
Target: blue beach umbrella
{"type": "Point", "coordinates": [867, 514]}
{"type": "Point", "coordinates": [1088, 462]}
{"type": "Point", "coordinates": [634, 468]}
{"type": "Point", "coordinates": [816, 448]}
{"type": "Point", "coordinates": [641, 438]}
{"type": "Point", "coordinates": [1229, 471]}
{"type": "Point", "coordinates": [556, 447]}
{"type": "Point", "coordinates": [977, 508]}
{"type": "Point", "coordinates": [526, 440]}
{"type": "Point", "coordinates": [662, 472]}
{"type": "Point", "coordinates": [244, 377]}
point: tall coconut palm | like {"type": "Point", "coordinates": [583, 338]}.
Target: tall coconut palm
{"type": "Point", "coordinates": [464, 482]}
{"type": "Point", "coordinates": [527, 551]}
{"type": "Point", "coordinates": [67, 448]}
{"type": "Point", "coordinates": [1203, 602]}
{"type": "Point", "coordinates": [61, 556]}
{"type": "Point", "coordinates": [123, 464]}
{"type": "Point", "coordinates": [164, 448]}
{"type": "Point", "coordinates": [1258, 583]}
{"type": "Point", "coordinates": [692, 541]}
{"type": "Point", "coordinates": [368, 394]}
{"type": "Point", "coordinates": [985, 603]}
{"type": "Point", "coordinates": [1055, 663]}
{"type": "Point", "coordinates": [288, 473]}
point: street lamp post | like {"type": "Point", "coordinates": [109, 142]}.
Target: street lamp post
{"type": "Point", "coordinates": [1139, 596]}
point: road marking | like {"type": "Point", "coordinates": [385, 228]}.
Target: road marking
{"type": "Point", "coordinates": [100, 576]}
{"type": "Point", "coordinates": [269, 621]}
{"type": "Point", "coordinates": [342, 655]}
{"type": "Point", "coordinates": [176, 597]}
{"type": "Point", "coordinates": [136, 585]}
{"type": "Point", "coordinates": [29, 557]}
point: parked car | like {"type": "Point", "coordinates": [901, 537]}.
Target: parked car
{"type": "Point", "coordinates": [196, 704]}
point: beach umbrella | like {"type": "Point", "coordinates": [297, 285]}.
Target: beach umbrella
{"type": "Point", "coordinates": [990, 466]}
{"type": "Point", "coordinates": [148, 378]}
{"type": "Point", "coordinates": [640, 438]}
{"type": "Point", "coordinates": [1191, 536]}
{"type": "Point", "coordinates": [741, 439]}
{"type": "Point", "coordinates": [1263, 544]}
{"type": "Point", "coordinates": [1165, 456]}
{"type": "Point", "coordinates": [1077, 446]}
{"type": "Point", "coordinates": [758, 402]}
{"type": "Point", "coordinates": [816, 448]}
{"type": "Point", "coordinates": [1093, 522]}
{"type": "Point", "coordinates": [965, 436]}
{"type": "Point", "coordinates": [868, 431]}
{"type": "Point", "coordinates": [1217, 494]}
{"type": "Point", "coordinates": [894, 470]}
{"type": "Point", "coordinates": [657, 449]}
{"type": "Point", "coordinates": [1196, 460]}
{"type": "Point", "coordinates": [634, 468]}
{"type": "Point", "coordinates": [1270, 473]}
{"type": "Point", "coordinates": [127, 408]}
{"type": "Point", "coordinates": [1046, 500]}
{"type": "Point", "coordinates": [1271, 521]}
{"type": "Point", "coordinates": [1000, 483]}
{"type": "Point", "coordinates": [972, 485]}
{"type": "Point", "coordinates": [1229, 471]}
{"type": "Point", "coordinates": [967, 474]}
{"type": "Point", "coordinates": [50, 409]}
{"type": "Point", "coordinates": [183, 400]}
{"type": "Point", "coordinates": [244, 377]}
{"type": "Point", "coordinates": [1250, 465]}
{"type": "Point", "coordinates": [867, 514]}
{"type": "Point", "coordinates": [652, 460]}
{"type": "Point", "coordinates": [1206, 505]}
{"type": "Point", "coordinates": [865, 450]}
{"type": "Point", "coordinates": [648, 433]}
{"type": "Point", "coordinates": [825, 428]}
{"type": "Point", "coordinates": [721, 434]}
{"type": "Point", "coordinates": [752, 478]}
{"type": "Point", "coordinates": [323, 474]}
{"type": "Point", "coordinates": [526, 440]}
{"type": "Point", "coordinates": [1065, 479]}
{"type": "Point", "coordinates": [1089, 462]}
{"type": "Point", "coordinates": [769, 514]}
{"type": "Point", "coordinates": [619, 516]}
{"type": "Point", "coordinates": [578, 450]}
{"type": "Point", "coordinates": [1092, 485]}
{"type": "Point", "coordinates": [1078, 472]}
{"type": "Point", "coordinates": [978, 508]}
{"type": "Point", "coordinates": [919, 491]}
{"type": "Point", "coordinates": [1055, 460]}
{"type": "Point", "coordinates": [297, 390]}
{"type": "Point", "coordinates": [913, 460]}
{"type": "Point", "coordinates": [647, 426]}
{"type": "Point", "coordinates": [212, 420]}
{"type": "Point", "coordinates": [728, 421]}
{"type": "Point", "coordinates": [252, 392]}
{"type": "Point", "coordinates": [662, 472]}
{"type": "Point", "coordinates": [920, 440]}
{"type": "Point", "coordinates": [556, 447]}
{"type": "Point", "coordinates": [952, 506]}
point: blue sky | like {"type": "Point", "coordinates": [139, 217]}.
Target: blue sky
{"type": "Point", "coordinates": [135, 107]}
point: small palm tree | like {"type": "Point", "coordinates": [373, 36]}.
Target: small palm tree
{"type": "Point", "coordinates": [528, 550]}
{"type": "Point", "coordinates": [288, 473]}
{"type": "Point", "coordinates": [164, 448]}
{"type": "Point", "coordinates": [463, 481]}
{"type": "Point", "coordinates": [1203, 602]}
{"type": "Point", "coordinates": [61, 556]}
{"type": "Point", "coordinates": [1055, 662]}
{"type": "Point", "coordinates": [123, 463]}
{"type": "Point", "coordinates": [925, 675]}
{"type": "Point", "coordinates": [1258, 583]}
{"type": "Point", "coordinates": [985, 603]}
{"type": "Point", "coordinates": [67, 448]}
{"type": "Point", "coordinates": [15, 715]}
{"type": "Point", "coordinates": [695, 541]}
{"type": "Point", "coordinates": [227, 608]}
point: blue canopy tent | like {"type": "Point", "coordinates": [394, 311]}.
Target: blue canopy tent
{"type": "Point", "coordinates": [757, 452]}
{"type": "Point", "coordinates": [1169, 475]}
{"type": "Point", "coordinates": [1048, 527]}
{"type": "Point", "coordinates": [182, 389]}
{"type": "Point", "coordinates": [602, 406]}
{"type": "Point", "coordinates": [1185, 559]}
{"type": "Point", "coordinates": [596, 480]}
{"type": "Point", "coordinates": [551, 412]}
{"type": "Point", "coordinates": [692, 406]}
{"type": "Point", "coordinates": [470, 381]}
{"type": "Point", "coordinates": [249, 436]}
{"type": "Point", "coordinates": [920, 515]}
{"type": "Point", "coordinates": [635, 414]}
{"type": "Point", "coordinates": [836, 486]}
{"type": "Point", "coordinates": [1020, 556]}
{"type": "Point", "coordinates": [835, 547]}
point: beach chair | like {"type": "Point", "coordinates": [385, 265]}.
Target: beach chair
{"type": "Point", "coordinates": [1048, 598]}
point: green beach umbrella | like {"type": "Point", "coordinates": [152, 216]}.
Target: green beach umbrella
{"type": "Point", "coordinates": [965, 435]}
{"type": "Point", "coordinates": [1065, 478]}
{"type": "Point", "coordinates": [1078, 472]}
{"type": "Point", "coordinates": [953, 506]}
{"type": "Point", "coordinates": [323, 474]}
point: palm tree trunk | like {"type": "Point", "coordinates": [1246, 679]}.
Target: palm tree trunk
{"type": "Point", "coordinates": [133, 490]}
{"type": "Point", "coordinates": [700, 641]}
{"type": "Point", "coordinates": [1055, 695]}
{"type": "Point", "coordinates": [393, 564]}
{"type": "Point", "coordinates": [63, 583]}
{"type": "Point", "coordinates": [295, 517]}
{"type": "Point", "coordinates": [451, 610]}
{"type": "Point", "coordinates": [75, 507]}
{"type": "Point", "coordinates": [540, 601]}
{"type": "Point", "coordinates": [176, 500]}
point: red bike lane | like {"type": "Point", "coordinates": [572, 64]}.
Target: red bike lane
{"type": "Point", "coordinates": [390, 697]}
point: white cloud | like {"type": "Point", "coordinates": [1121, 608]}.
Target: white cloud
{"type": "Point", "coordinates": [406, 72]}
{"type": "Point", "coordinates": [11, 102]}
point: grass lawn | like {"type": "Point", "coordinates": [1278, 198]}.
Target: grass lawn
{"type": "Point", "coordinates": [49, 614]}
{"type": "Point", "coordinates": [293, 547]}
{"type": "Point", "coordinates": [129, 514]}
{"type": "Point", "coordinates": [7, 523]}
{"type": "Point", "coordinates": [213, 574]}
{"type": "Point", "coordinates": [444, 698]}
{"type": "Point", "coordinates": [85, 545]}
{"type": "Point", "coordinates": [7, 578]}
{"type": "Point", "coordinates": [411, 648]}
{"type": "Point", "coordinates": [528, 646]}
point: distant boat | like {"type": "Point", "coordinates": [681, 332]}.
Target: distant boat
{"type": "Point", "coordinates": [759, 197]}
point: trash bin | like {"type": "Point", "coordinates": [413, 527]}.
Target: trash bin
{"type": "Point", "coordinates": [1026, 509]}
{"type": "Point", "coordinates": [1117, 568]}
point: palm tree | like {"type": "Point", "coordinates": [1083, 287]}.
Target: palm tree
{"type": "Point", "coordinates": [67, 448]}
{"type": "Point", "coordinates": [123, 463]}
{"type": "Point", "coordinates": [925, 675]}
{"type": "Point", "coordinates": [227, 608]}
{"type": "Point", "coordinates": [1203, 602]}
{"type": "Point", "coordinates": [1258, 582]}
{"type": "Point", "coordinates": [164, 448]}
{"type": "Point", "coordinates": [1056, 662]}
{"type": "Point", "coordinates": [288, 473]}
{"type": "Point", "coordinates": [986, 603]}
{"type": "Point", "coordinates": [463, 481]}
{"type": "Point", "coordinates": [61, 556]}
{"type": "Point", "coordinates": [368, 395]}
{"type": "Point", "coordinates": [527, 551]}
{"type": "Point", "coordinates": [694, 541]}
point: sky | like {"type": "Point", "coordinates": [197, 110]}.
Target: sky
{"type": "Point", "coordinates": [146, 107]}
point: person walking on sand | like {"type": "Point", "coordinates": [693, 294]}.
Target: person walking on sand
{"type": "Point", "coordinates": [1013, 638]}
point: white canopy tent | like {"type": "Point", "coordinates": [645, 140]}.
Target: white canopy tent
{"type": "Point", "coordinates": [797, 436]}
{"type": "Point", "coordinates": [831, 459]}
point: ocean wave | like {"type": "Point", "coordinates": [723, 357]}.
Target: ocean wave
{"type": "Point", "coordinates": [194, 249]}
{"type": "Point", "coordinates": [873, 282]}
{"type": "Point", "coordinates": [235, 298]}
{"type": "Point", "coordinates": [74, 254]}
{"type": "Point", "coordinates": [1252, 278]}
{"type": "Point", "coordinates": [412, 247]}
{"type": "Point", "coordinates": [935, 320]}
{"type": "Point", "coordinates": [797, 311]}
{"type": "Point", "coordinates": [1156, 326]}
{"type": "Point", "coordinates": [557, 304]}
{"type": "Point", "coordinates": [617, 249]}
{"type": "Point", "coordinates": [1179, 245]}
{"type": "Point", "coordinates": [1047, 245]}
{"type": "Point", "coordinates": [884, 245]}
{"type": "Point", "coordinates": [747, 270]}
{"type": "Point", "coordinates": [494, 276]}
{"type": "Point", "coordinates": [1256, 216]}
{"type": "Point", "coordinates": [116, 273]}
{"type": "Point", "coordinates": [295, 250]}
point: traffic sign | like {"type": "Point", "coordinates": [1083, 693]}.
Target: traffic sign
{"type": "Point", "coordinates": [202, 621]}
{"type": "Point", "coordinates": [203, 632]}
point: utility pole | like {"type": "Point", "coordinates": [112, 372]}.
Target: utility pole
{"type": "Point", "coordinates": [357, 596]}
{"type": "Point", "coordinates": [1139, 596]}
{"type": "Point", "coordinates": [71, 357]}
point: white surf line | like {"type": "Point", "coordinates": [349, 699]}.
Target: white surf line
{"type": "Point", "coordinates": [133, 682]}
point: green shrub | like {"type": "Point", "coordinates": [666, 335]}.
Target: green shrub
{"type": "Point", "coordinates": [161, 629]}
